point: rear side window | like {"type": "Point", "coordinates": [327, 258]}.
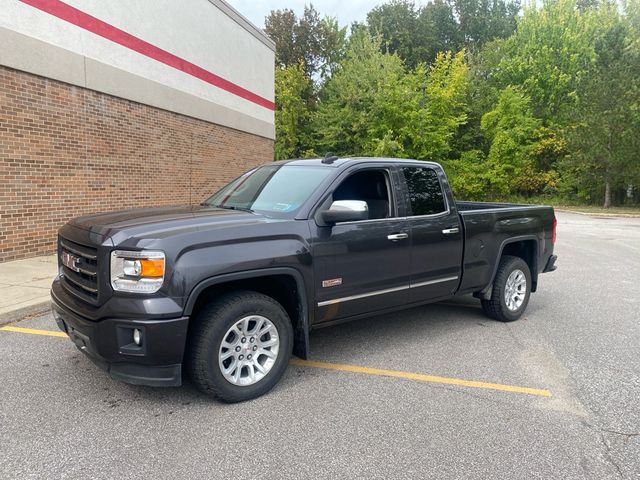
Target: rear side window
{"type": "Point", "coordinates": [425, 193]}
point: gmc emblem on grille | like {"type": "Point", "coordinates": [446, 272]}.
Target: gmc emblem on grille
{"type": "Point", "coordinates": [71, 261]}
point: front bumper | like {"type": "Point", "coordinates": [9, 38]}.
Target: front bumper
{"type": "Point", "coordinates": [157, 361]}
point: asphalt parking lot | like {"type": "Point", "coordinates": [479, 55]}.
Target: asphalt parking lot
{"type": "Point", "coordinates": [577, 349]}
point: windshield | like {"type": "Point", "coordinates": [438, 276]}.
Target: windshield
{"type": "Point", "coordinates": [278, 189]}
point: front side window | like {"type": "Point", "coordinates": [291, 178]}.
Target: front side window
{"type": "Point", "coordinates": [425, 193]}
{"type": "Point", "coordinates": [273, 189]}
{"type": "Point", "coordinates": [369, 186]}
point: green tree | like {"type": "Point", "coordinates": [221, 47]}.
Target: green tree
{"type": "Point", "coordinates": [308, 49]}
{"type": "Point", "coordinates": [282, 27]}
{"type": "Point", "coordinates": [418, 115]}
{"type": "Point", "coordinates": [481, 21]}
{"type": "Point", "coordinates": [333, 43]}
{"type": "Point", "coordinates": [316, 42]}
{"type": "Point", "coordinates": [632, 10]}
{"type": "Point", "coordinates": [442, 32]}
{"type": "Point", "coordinates": [366, 75]}
{"type": "Point", "coordinates": [513, 132]}
{"type": "Point", "coordinates": [518, 153]}
{"type": "Point", "coordinates": [545, 103]}
{"type": "Point", "coordinates": [373, 106]}
{"type": "Point", "coordinates": [292, 114]}
{"type": "Point", "coordinates": [547, 58]}
{"type": "Point", "coordinates": [583, 5]}
{"type": "Point", "coordinates": [436, 107]}
{"type": "Point", "coordinates": [482, 96]}
{"type": "Point", "coordinates": [604, 139]}
{"type": "Point", "coordinates": [417, 35]}
{"type": "Point", "coordinates": [549, 55]}
{"type": "Point", "coordinates": [396, 23]}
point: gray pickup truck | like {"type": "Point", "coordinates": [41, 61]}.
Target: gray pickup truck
{"type": "Point", "coordinates": [227, 290]}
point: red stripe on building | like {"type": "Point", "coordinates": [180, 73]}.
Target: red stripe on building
{"type": "Point", "coordinates": [95, 25]}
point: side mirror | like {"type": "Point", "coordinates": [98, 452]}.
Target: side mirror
{"type": "Point", "coordinates": [346, 211]}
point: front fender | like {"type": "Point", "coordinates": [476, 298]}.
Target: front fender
{"type": "Point", "coordinates": [301, 324]}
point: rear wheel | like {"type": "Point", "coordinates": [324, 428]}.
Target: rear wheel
{"type": "Point", "coordinates": [240, 346]}
{"type": "Point", "coordinates": [511, 290]}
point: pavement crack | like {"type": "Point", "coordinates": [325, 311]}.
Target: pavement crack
{"type": "Point", "coordinates": [608, 453]}
{"type": "Point", "coordinates": [627, 436]}
{"type": "Point", "coordinates": [610, 449]}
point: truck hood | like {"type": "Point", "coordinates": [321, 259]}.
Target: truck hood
{"type": "Point", "coordinates": [162, 221]}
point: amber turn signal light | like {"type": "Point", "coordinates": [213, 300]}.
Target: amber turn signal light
{"type": "Point", "coordinates": [151, 267]}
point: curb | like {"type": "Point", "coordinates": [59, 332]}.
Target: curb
{"type": "Point", "coordinates": [21, 313]}
{"type": "Point", "coordinates": [598, 214]}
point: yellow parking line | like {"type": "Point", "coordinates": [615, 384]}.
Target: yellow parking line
{"type": "Point", "coordinates": [33, 331]}
{"type": "Point", "coordinates": [420, 377]}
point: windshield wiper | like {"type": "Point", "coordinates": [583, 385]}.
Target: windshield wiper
{"type": "Point", "coordinates": [232, 207]}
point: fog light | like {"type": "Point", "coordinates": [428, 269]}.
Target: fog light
{"type": "Point", "coordinates": [137, 336]}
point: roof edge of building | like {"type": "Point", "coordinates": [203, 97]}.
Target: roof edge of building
{"type": "Point", "coordinates": [244, 22]}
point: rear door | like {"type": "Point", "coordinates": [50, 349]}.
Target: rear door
{"type": "Point", "coordinates": [436, 233]}
{"type": "Point", "coordinates": [363, 266]}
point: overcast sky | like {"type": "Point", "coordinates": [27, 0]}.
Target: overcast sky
{"type": "Point", "coordinates": [346, 11]}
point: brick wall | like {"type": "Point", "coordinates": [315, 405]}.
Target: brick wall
{"type": "Point", "coordinates": [67, 151]}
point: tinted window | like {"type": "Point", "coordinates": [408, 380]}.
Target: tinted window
{"type": "Point", "coordinates": [425, 194]}
{"type": "Point", "coordinates": [369, 186]}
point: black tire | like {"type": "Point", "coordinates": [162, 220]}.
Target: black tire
{"type": "Point", "coordinates": [496, 307]}
{"type": "Point", "coordinates": [211, 325]}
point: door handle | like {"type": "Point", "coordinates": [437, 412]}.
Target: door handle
{"type": "Point", "coordinates": [397, 236]}
{"type": "Point", "coordinates": [450, 231]}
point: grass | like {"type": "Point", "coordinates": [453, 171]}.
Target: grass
{"type": "Point", "coordinates": [632, 211]}
{"type": "Point", "coordinates": [560, 203]}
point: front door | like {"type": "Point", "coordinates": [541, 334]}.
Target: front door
{"type": "Point", "coordinates": [363, 266]}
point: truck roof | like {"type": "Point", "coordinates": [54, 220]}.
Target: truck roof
{"type": "Point", "coordinates": [338, 162]}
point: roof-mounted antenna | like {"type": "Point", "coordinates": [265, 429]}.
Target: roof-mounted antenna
{"type": "Point", "coordinates": [329, 158]}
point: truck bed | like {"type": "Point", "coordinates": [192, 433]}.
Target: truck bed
{"type": "Point", "coordinates": [469, 206]}
{"type": "Point", "coordinates": [488, 226]}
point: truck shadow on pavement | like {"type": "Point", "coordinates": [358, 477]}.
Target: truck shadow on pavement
{"type": "Point", "coordinates": [442, 330]}
{"type": "Point", "coordinates": [409, 329]}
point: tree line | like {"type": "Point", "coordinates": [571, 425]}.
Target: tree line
{"type": "Point", "coordinates": [533, 102]}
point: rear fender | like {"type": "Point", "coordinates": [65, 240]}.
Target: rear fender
{"type": "Point", "coordinates": [533, 264]}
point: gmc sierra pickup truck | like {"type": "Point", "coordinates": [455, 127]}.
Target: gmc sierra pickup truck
{"type": "Point", "coordinates": [227, 290]}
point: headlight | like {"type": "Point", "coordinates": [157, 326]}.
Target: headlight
{"type": "Point", "coordinates": [141, 272]}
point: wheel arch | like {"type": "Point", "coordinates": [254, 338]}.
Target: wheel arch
{"type": "Point", "coordinates": [283, 284]}
{"type": "Point", "coordinates": [525, 247]}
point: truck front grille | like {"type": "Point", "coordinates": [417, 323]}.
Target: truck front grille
{"type": "Point", "coordinates": [79, 269]}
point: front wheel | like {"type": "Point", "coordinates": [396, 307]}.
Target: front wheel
{"type": "Point", "coordinates": [240, 346]}
{"type": "Point", "coordinates": [511, 290]}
